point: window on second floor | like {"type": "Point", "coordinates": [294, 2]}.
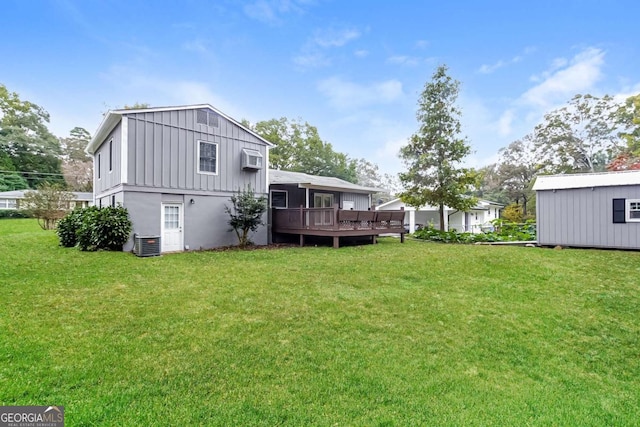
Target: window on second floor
{"type": "Point", "coordinates": [98, 166]}
{"type": "Point", "coordinates": [207, 158]}
{"type": "Point", "coordinates": [110, 155]}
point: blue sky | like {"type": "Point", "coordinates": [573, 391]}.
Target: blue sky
{"type": "Point", "coordinates": [353, 68]}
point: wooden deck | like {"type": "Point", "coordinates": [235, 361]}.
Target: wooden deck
{"type": "Point", "coordinates": [336, 223]}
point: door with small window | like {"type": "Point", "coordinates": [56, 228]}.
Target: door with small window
{"type": "Point", "coordinates": [172, 236]}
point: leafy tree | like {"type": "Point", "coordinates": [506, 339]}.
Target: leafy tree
{"type": "Point", "coordinates": [368, 175]}
{"type": "Point", "coordinates": [77, 165]}
{"type": "Point", "coordinates": [137, 106]}
{"type": "Point", "coordinates": [513, 213]}
{"type": "Point", "coordinates": [49, 203]}
{"type": "Point", "coordinates": [10, 179]}
{"type": "Point", "coordinates": [299, 148]}
{"type": "Point", "coordinates": [26, 141]}
{"type": "Point", "coordinates": [516, 170]}
{"type": "Point", "coordinates": [628, 117]}
{"type": "Point", "coordinates": [579, 137]}
{"type": "Point", "coordinates": [435, 151]}
{"type": "Point", "coordinates": [246, 214]}
{"type": "Point", "coordinates": [489, 184]}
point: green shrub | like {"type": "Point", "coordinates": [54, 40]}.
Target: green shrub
{"type": "Point", "coordinates": [95, 228]}
{"type": "Point", "coordinates": [13, 213]}
{"type": "Point", "coordinates": [505, 232]}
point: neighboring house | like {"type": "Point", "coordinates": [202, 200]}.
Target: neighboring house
{"type": "Point", "coordinates": [175, 169]}
{"type": "Point", "coordinates": [600, 210]}
{"type": "Point", "coordinates": [310, 205]}
{"type": "Point", "coordinates": [13, 199]}
{"type": "Point", "coordinates": [476, 220]}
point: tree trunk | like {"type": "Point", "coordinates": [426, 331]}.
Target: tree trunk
{"type": "Point", "coordinates": [442, 217]}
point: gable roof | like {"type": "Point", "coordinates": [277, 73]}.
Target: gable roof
{"type": "Point", "coordinates": [586, 180]}
{"type": "Point", "coordinates": [319, 182]}
{"type": "Point", "coordinates": [482, 204]}
{"type": "Point", "coordinates": [113, 117]}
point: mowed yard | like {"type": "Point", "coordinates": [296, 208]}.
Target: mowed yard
{"type": "Point", "coordinates": [378, 335]}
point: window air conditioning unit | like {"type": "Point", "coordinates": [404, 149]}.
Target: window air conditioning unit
{"type": "Point", "coordinates": [251, 160]}
{"type": "Point", "coordinates": [146, 245]}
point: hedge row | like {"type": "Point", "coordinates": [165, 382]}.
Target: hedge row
{"type": "Point", "coordinates": [95, 228]}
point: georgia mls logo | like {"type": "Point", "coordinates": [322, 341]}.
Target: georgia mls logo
{"type": "Point", "coordinates": [31, 416]}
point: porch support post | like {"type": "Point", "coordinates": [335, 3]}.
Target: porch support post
{"type": "Point", "coordinates": [412, 221]}
{"type": "Point", "coordinates": [336, 242]}
{"type": "Point", "coordinates": [302, 240]}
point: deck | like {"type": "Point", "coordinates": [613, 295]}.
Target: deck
{"type": "Point", "coordinates": [336, 223]}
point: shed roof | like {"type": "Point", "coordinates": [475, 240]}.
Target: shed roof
{"type": "Point", "coordinates": [19, 194]}
{"type": "Point", "coordinates": [317, 182]}
{"type": "Point", "coordinates": [113, 117]}
{"type": "Point", "coordinates": [586, 180]}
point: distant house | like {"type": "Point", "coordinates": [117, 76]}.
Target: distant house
{"type": "Point", "coordinates": [175, 169]}
{"type": "Point", "coordinates": [600, 210]}
{"type": "Point", "coordinates": [310, 205]}
{"type": "Point", "coordinates": [13, 199]}
{"type": "Point", "coordinates": [475, 220]}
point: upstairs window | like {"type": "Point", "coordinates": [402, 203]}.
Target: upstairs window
{"type": "Point", "coordinates": [99, 162]}
{"type": "Point", "coordinates": [110, 155]}
{"type": "Point", "coordinates": [206, 117]}
{"type": "Point", "coordinates": [207, 158]}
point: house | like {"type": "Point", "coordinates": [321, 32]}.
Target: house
{"type": "Point", "coordinates": [599, 210]}
{"type": "Point", "coordinates": [476, 220]}
{"type": "Point", "coordinates": [310, 205]}
{"type": "Point", "coordinates": [175, 169]}
{"type": "Point", "coordinates": [13, 199]}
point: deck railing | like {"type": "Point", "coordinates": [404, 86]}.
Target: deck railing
{"type": "Point", "coordinates": [333, 218]}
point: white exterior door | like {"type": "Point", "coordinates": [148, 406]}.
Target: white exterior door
{"type": "Point", "coordinates": [172, 236]}
{"type": "Point", "coordinates": [323, 200]}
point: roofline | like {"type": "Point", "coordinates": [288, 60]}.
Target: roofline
{"type": "Point", "coordinates": [113, 117]}
{"type": "Point", "coordinates": [365, 190]}
{"type": "Point", "coordinates": [586, 180]}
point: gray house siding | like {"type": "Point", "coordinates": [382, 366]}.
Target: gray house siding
{"type": "Point", "coordinates": [163, 147]}
{"type": "Point", "coordinates": [361, 201]}
{"type": "Point", "coordinates": [583, 217]}
{"type": "Point", "coordinates": [108, 179]}
{"type": "Point", "coordinates": [204, 224]}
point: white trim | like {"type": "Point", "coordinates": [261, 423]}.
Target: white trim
{"type": "Point", "coordinates": [180, 223]}
{"type": "Point", "coordinates": [124, 150]}
{"type": "Point", "coordinates": [286, 199]}
{"type": "Point", "coordinates": [627, 209]}
{"type": "Point", "coordinates": [200, 141]}
{"type": "Point", "coordinates": [586, 180]}
{"type": "Point", "coordinates": [266, 175]}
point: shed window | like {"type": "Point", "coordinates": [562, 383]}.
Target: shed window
{"type": "Point", "coordinates": [206, 117]}
{"type": "Point", "coordinates": [279, 199]}
{"type": "Point", "coordinates": [633, 210]}
{"type": "Point", "coordinates": [207, 158]}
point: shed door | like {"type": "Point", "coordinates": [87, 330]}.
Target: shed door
{"type": "Point", "coordinates": [172, 236]}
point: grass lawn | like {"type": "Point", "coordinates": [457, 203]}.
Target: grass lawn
{"type": "Point", "coordinates": [379, 335]}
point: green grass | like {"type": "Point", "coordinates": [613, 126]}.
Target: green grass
{"type": "Point", "coordinates": [382, 335]}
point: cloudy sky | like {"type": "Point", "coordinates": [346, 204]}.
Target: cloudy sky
{"type": "Point", "coordinates": [354, 69]}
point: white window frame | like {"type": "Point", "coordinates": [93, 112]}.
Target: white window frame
{"type": "Point", "coordinates": [286, 199]}
{"type": "Point", "coordinates": [629, 208]}
{"type": "Point", "coordinates": [199, 142]}
{"type": "Point", "coordinates": [111, 155]}
{"type": "Point", "coordinates": [8, 204]}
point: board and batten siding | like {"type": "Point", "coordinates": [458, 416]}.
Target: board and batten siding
{"type": "Point", "coordinates": [583, 217]}
{"type": "Point", "coordinates": [108, 179]}
{"type": "Point", "coordinates": [360, 201]}
{"type": "Point", "coordinates": [162, 153]}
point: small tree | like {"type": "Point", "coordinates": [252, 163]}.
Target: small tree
{"type": "Point", "coordinates": [246, 214]}
{"type": "Point", "coordinates": [48, 203]}
{"type": "Point", "coordinates": [434, 152]}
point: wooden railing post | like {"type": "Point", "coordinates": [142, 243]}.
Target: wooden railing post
{"type": "Point", "coordinates": [336, 208]}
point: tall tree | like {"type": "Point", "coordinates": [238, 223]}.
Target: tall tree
{"type": "Point", "coordinates": [299, 148]}
{"type": "Point", "coordinates": [434, 153]}
{"type": "Point", "coordinates": [26, 141]}
{"type": "Point", "coordinates": [516, 170]}
{"type": "Point", "coordinates": [368, 174]}
{"type": "Point", "coordinates": [579, 137]}
{"type": "Point", "coordinates": [628, 117]}
{"type": "Point", "coordinates": [77, 165]}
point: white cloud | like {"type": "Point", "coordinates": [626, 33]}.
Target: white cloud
{"type": "Point", "coordinates": [344, 95]}
{"type": "Point", "coordinates": [312, 60]}
{"type": "Point", "coordinates": [504, 123]}
{"type": "Point", "coordinates": [422, 44]}
{"type": "Point", "coordinates": [271, 11]}
{"type": "Point", "coordinates": [334, 37]}
{"type": "Point", "coordinates": [403, 60]}
{"type": "Point", "coordinates": [490, 68]}
{"type": "Point", "coordinates": [361, 53]}
{"type": "Point", "coordinates": [581, 74]}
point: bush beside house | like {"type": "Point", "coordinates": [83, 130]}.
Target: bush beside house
{"type": "Point", "coordinates": [94, 228]}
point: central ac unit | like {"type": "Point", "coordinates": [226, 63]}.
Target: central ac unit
{"type": "Point", "coordinates": [146, 245]}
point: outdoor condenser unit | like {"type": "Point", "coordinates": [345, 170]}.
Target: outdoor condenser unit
{"type": "Point", "coordinates": [146, 245]}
